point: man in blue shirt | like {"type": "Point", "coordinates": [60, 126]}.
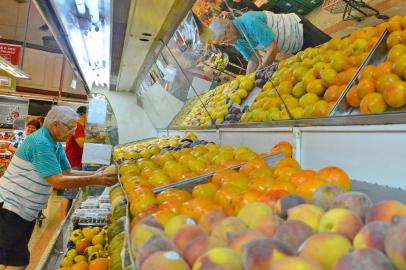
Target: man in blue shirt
{"type": "Point", "coordinates": [267, 31]}
{"type": "Point", "coordinates": [39, 165]}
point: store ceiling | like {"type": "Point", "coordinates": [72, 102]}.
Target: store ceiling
{"type": "Point", "coordinates": [150, 24]}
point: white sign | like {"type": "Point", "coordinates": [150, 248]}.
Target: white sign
{"type": "Point", "coordinates": [94, 153]}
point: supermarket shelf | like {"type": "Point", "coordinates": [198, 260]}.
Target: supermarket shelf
{"type": "Point", "coordinates": [347, 120]}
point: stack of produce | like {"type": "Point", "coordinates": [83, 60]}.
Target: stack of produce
{"type": "Point", "coordinates": [383, 86]}
{"type": "Point", "coordinates": [88, 249]}
{"type": "Point", "coordinates": [221, 103]}
{"type": "Point", "coordinates": [337, 230]}
{"type": "Point", "coordinates": [311, 81]}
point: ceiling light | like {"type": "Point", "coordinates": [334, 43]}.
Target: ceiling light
{"type": "Point", "coordinates": [12, 70]}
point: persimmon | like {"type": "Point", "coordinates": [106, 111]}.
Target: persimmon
{"type": "Point", "coordinates": [335, 176]}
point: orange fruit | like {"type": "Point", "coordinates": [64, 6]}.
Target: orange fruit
{"type": "Point", "coordinates": [333, 93]}
{"type": "Point", "coordinates": [385, 80]}
{"type": "Point", "coordinates": [81, 245]}
{"type": "Point", "coordinates": [284, 185]}
{"type": "Point", "coordinates": [244, 198]}
{"type": "Point", "coordinates": [367, 72]}
{"type": "Point", "coordinates": [381, 69]}
{"type": "Point", "coordinates": [282, 147]}
{"type": "Point", "coordinates": [205, 190]}
{"type": "Point", "coordinates": [396, 51]}
{"type": "Point", "coordinates": [271, 197]}
{"type": "Point", "coordinates": [394, 38]}
{"type": "Point", "coordinates": [219, 177]}
{"type": "Point", "coordinates": [80, 266]}
{"type": "Point", "coordinates": [261, 183]}
{"type": "Point", "coordinates": [352, 97]}
{"type": "Point", "coordinates": [99, 264]}
{"type": "Point", "coordinates": [171, 205]}
{"type": "Point", "coordinates": [365, 87]}
{"type": "Point", "coordinates": [224, 197]}
{"type": "Point", "coordinates": [261, 172]}
{"type": "Point", "coordinates": [395, 94]}
{"type": "Point", "coordinates": [253, 164]}
{"type": "Point", "coordinates": [284, 172]}
{"type": "Point", "coordinates": [307, 188]}
{"type": "Point", "coordinates": [349, 74]}
{"type": "Point", "coordinates": [198, 206]}
{"type": "Point", "coordinates": [302, 176]}
{"type": "Point", "coordinates": [173, 194]}
{"type": "Point", "coordinates": [340, 78]}
{"type": "Point", "coordinates": [381, 28]}
{"type": "Point", "coordinates": [289, 162]}
{"type": "Point", "coordinates": [395, 23]}
{"type": "Point", "coordinates": [335, 176]}
{"type": "Point", "coordinates": [373, 103]}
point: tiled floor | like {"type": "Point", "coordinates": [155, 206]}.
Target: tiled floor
{"type": "Point", "coordinates": [335, 26]}
{"type": "Point", "coordinates": [42, 236]}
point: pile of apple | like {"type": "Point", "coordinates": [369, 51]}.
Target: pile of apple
{"type": "Point", "coordinates": [337, 231]}
{"type": "Point", "coordinates": [221, 103]}
{"type": "Point", "coordinates": [311, 81]}
{"type": "Point", "coordinates": [146, 149]}
{"type": "Point", "coordinates": [384, 85]}
{"type": "Point", "coordinates": [89, 250]}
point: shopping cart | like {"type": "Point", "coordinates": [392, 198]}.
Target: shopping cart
{"type": "Point", "coordinates": [349, 7]}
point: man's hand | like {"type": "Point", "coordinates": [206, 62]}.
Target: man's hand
{"type": "Point", "coordinates": [105, 180]}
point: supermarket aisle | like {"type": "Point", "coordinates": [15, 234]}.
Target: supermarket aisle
{"type": "Point", "coordinates": [335, 26]}
{"type": "Point", "coordinates": [44, 234]}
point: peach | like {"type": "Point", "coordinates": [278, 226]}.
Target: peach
{"type": "Point", "coordinates": [253, 211]}
{"type": "Point", "coordinates": [358, 202]}
{"type": "Point", "coordinates": [385, 210]}
{"type": "Point", "coordinates": [341, 221]}
{"type": "Point", "coordinates": [154, 244]}
{"type": "Point", "coordinates": [294, 263]}
{"type": "Point", "coordinates": [324, 196]}
{"type": "Point", "coordinates": [372, 235]}
{"type": "Point", "coordinates": [220, 258]}
{"type": "Point", "coordinates": [362, 259]}
{"type": "Point", "coordinates": [307, 213]}
{"type": "Point", "coordinates": [293, 233]}
{"type": "Point", "coordinates": [200, 245]}
{"type": "Point", "coordinates": [167, 260]}
{"type": "Point", "coordinates": [228, 225]}
{"type": "Point", "coordinates": [395, 244]}
{"type": "Point", "coordinates": [325, 248]}
{"type": "Point", "coordinates": [211, 218]}
{"type": "Point", "coordinates": [177, 222]}
{"type": "Point", "coordinates": [141, 234]}
{"type": "Point", "coordinates": [266, 225]}
{"type": "Point", "coordinates": [285, 203]}
{"type": "Point", "coordinates": [239, 239]}
{"type": "Point", "coordinates": [260, 253]}
{"type": "Point", "coordinates": [151, 221]}
{"type": "Point", "coordinates": [185, 234]}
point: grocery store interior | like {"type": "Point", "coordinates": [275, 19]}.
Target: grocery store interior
{"type": "Point", "coordinates": [241, 134]}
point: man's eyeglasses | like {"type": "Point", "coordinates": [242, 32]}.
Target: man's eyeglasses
{"type": "Point", "coordinates": [68, 127]}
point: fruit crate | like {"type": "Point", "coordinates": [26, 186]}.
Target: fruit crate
{"type": "Point", "coordinates": [190, 183]}
{"type": "Point", "coordinates": [377, 55]}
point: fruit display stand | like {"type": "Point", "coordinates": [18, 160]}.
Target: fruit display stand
{"type": "Point", "coordinates": [253, 223]}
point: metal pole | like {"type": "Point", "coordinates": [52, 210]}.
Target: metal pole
{"type": "Point", "coordinates": [25, 36]}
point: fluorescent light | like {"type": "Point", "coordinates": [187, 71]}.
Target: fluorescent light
{"type": "Point", "coordinates": [12, 70]}
{"type": "Point", "coordinates": [93, 6]}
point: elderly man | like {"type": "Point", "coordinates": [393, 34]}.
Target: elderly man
{"type": "Point", "coordinates": [39, 165]}
{"type": "Point", "coordinates": [274, 33]}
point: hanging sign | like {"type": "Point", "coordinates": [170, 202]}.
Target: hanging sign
{"type": "Point", "coordinates": [11, 53]}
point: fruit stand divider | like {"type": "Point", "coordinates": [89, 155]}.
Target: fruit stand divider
{"type": "Point", "coordinates": [376, 56]}
{"type": "Point", "coordinates": [127, 240]}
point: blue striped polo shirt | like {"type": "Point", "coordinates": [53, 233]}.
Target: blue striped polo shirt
{"type": "Point", "coordinates": [259, 28]}
{"type": "Point", "coordinates": [23, 189]}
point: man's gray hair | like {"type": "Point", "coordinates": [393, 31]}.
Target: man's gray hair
{"type": "Point", "coordinates": [219, 27]}
{"type": "Point", "coordinates": [62, 114]}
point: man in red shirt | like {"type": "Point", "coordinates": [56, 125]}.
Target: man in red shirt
{"type": "Point", "coordinates": [74, 151]}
